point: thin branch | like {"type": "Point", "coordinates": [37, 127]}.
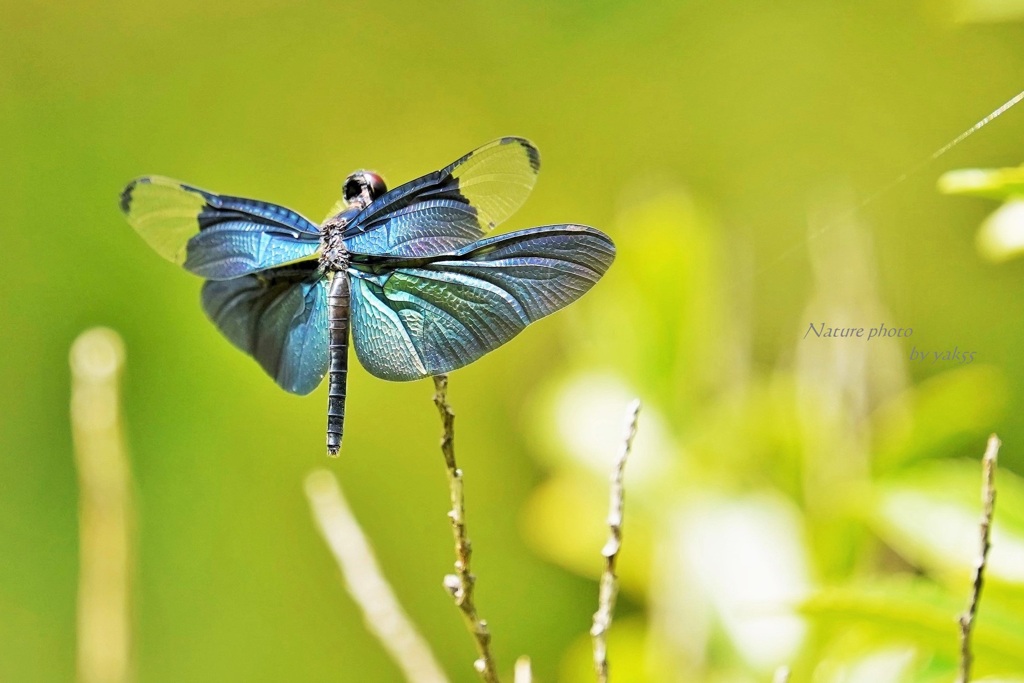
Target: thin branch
{"type": "Point", "coordinates": [781, 675]}
{"type": "Point", "coordinates": [988, 499]}
{"type": "Point", "coordinates": [460, 584]}
{"type": "Point", "coordinates": [523, 673]}
{"type": "Point", "coordinates": [366, 584]}
{"type": "Point", "coordinates": [609, 582]}
{"type": "Point", "coordinates": [105, 511]}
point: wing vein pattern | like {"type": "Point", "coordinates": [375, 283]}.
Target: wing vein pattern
{"type": "Point", "coordinates": [279, 317]}
{"type": "Point", "coordinates": [217, 237]}
{"type": "Point", "coordinates": [416, 317]}
{"type": "Point", "coordinates": [449, 208]}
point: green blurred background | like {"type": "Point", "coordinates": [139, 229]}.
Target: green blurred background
{"type": "Point", "coordinates": [707, 138]}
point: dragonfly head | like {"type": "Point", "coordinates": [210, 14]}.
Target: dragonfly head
{"type": "Point", "coordinates": [362, 187]}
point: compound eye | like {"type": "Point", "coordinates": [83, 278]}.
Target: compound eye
{"type": "Point", "coordinates": [360, 182]}
{"type": "Point", "coordinates": [353, 187]}
{"type": "Point", "coordinates": [375, 184]}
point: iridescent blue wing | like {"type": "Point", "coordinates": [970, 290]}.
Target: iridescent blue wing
{"type": "Point", "coordinates": [215, 236]}
{"type": "Point", "coordinates": [450, 208]}
{"type": "Point", "coordinates": [413, 318]}
{"type": "Point", "coordinates": [279, 317]}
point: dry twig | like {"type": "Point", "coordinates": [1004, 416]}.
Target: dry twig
{"type": "Point", "coordinates": [460, 584]}
{"type": "Point", "coordinates": [988, 499]}
{"type": "Point", "coordinates": [610, 551]}
{"type": "Point", "coordinates": [366, 584]}
{"type": "Point", "coordinates": [105, 513]}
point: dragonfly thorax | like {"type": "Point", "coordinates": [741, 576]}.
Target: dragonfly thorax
{"type": "Point", "coordinates": [333, 254]}
{"type": "Point", "coordinates": [359, 191]}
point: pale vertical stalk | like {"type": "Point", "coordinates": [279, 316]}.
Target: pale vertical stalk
{"type": "Point", "coordinates": [988, 501]}
{"type": "Point", "coordinates": [460, 584]}
{"type": "Point", "coordinates": [781, 675]}
{"type": "Point", "coordinates": [104, 509]}
{"type": "Point", "coordinates": [365, 582]}
{"type": "Point", "coordinates": [523, 672]}
{"type": "Point", "coordinates": [609, 582]}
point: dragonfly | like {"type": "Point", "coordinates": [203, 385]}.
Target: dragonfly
{"type": "Point", "coordinates": [409, 273]}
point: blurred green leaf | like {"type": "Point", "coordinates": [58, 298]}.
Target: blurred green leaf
{"type": "Point", "coordinates": [933, 417]}
{"type": "Point", "coordinates": [1001, 235]}
{"type": "Point", "coordinates": [918, 611]}
{"type": "Point", "coordinates": [995, 183]}
{"type": "Point", "coordinates": [930, 515]}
